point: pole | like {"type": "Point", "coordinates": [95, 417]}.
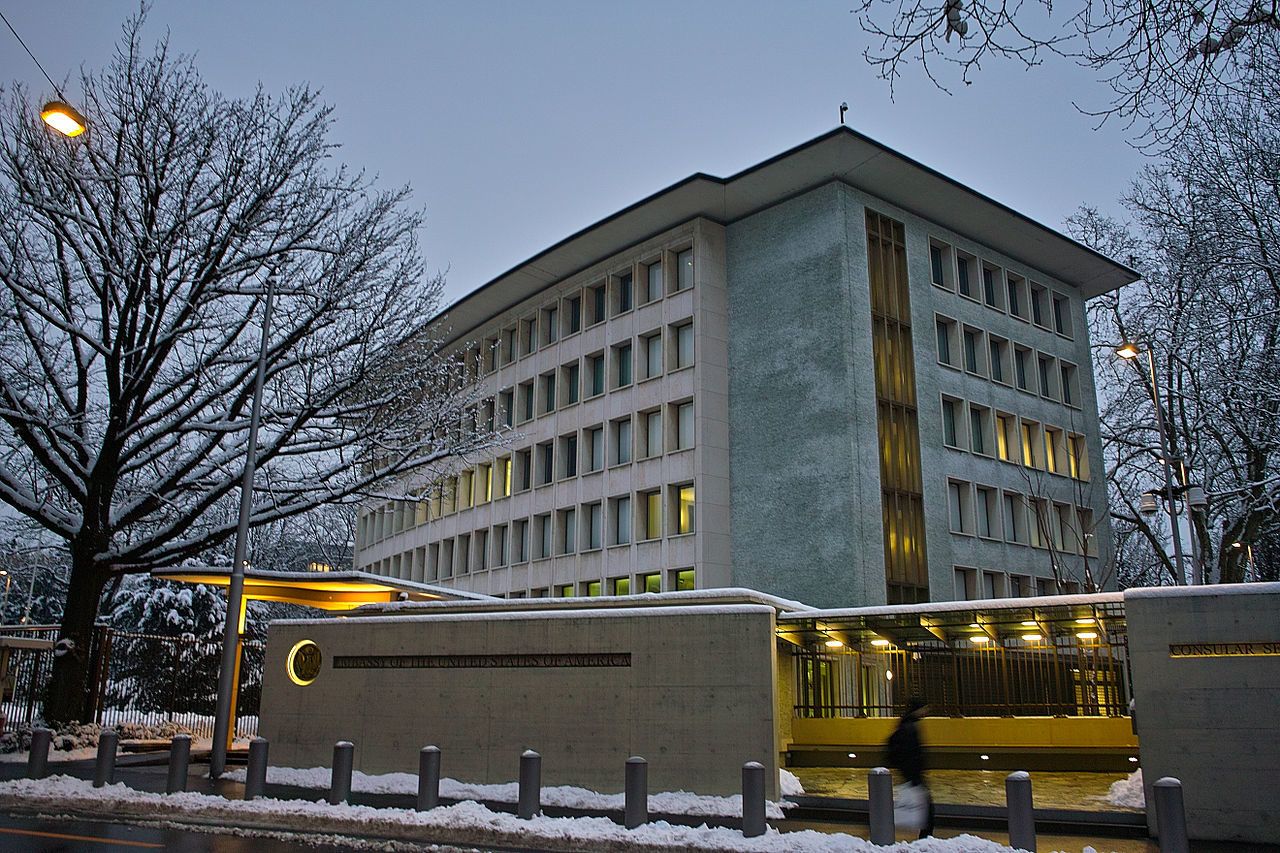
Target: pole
{"type": "Point", "coordinates": [223, 730]}
{"type": "Point", "coordinates": [1170, 495]}
{"type": "Point", "coordinates": [5, 606]}
{"type": "Point", "coordinates": [31, 589]}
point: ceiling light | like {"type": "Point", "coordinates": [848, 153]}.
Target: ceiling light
{"type": "Point", "coordinates": [1088, 635]}
{"type": "Point", "coordinates": [1030, 623]}
{"type": "Point", "coordinates": [1032, 638]}
{"type": "Point", "coordinates": [979, 639]}
{"type": "Point", "coordinates": [879, 641]}
{"type": "Point", "coordinates": [834, 644]}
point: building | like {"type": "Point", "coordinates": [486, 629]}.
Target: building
{"type": "Point", "coordinates": [837, 376]}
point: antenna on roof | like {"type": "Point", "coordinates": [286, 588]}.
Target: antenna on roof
{"type": "Point", "coordinates": [844, 105]}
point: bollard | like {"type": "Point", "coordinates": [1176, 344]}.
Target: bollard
{"type": "Point", "coordinates": [1171, 819]}
{"type": "Point", "coordinates": [530, 784]}
{"type": "Point", "coordinates": [255, 776]}
{"type": "Point", "coordinates": [340, 780]}
{"type": "Point", "coordinates": [38, 758]}
{"type": "Point", "coordinates": [636, 788]}
{"type": "Point", "coordinates": [880, 805]}
{"type": "Point", "coordinates": [428, 778]}
{"type": "Point", "coordinates": [104, 772]}
{"type": "Point", "coordinates": [753, 800]}
{"type": "Point", "coordinates": [1022, 821]}
{"type": "Point", "coordinates": [179, 758]}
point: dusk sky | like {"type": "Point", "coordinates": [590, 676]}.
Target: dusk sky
{"type": "Point", "coordinates": [517, 124]}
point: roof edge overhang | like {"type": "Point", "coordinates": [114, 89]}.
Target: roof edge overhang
{"type": "Point", "coordinates": [841, 155]}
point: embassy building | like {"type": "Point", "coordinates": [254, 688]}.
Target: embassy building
{"type": "Point", "coordinates": [838, 376]}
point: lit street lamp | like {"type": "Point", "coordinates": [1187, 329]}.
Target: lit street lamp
{"type": "Point", "coordinates": [5, 605]}
{"type": "Point", "coordinates": [58, 114]}
{"type": "Point", "coordinates": [1252, 574]}
{"type": "Point", "coordinates": [1129, 351]}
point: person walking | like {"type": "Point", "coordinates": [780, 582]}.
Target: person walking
{"type": "Point", "coordinates": [906, 755]}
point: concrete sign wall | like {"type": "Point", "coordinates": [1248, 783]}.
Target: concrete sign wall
{"type": "Point", "coordinates": [1206, 683]}
{"type": "Point", "coordinates": [691, 689]}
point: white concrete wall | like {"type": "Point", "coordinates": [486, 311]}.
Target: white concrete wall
{"type": "Point", "coordinates": [698, 699]}
{"type": "Point", "coordinates": [1211, 722]}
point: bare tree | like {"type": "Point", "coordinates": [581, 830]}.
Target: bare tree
{"type": "Point", "coordinates": [1206, 236]}
{"type": "Point", "coordinates": [133, 261]}
{"type": "Point", "coordinates": [1160, 59]}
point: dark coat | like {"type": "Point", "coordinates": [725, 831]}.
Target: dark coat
{"type": "Point", "coordinates": [906, 753]}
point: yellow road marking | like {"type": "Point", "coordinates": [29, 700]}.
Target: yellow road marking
{"type": "Point", "coordinates": [80, 838]}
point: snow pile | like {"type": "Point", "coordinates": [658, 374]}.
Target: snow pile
{"type": "Point", "coordinates": [1127, 793]}
{"type": "Point", "coordinates": [465, 823]}
{"type": "Point", "coordinates": [561, 796]}
{"type": "Point", "coordinates": [85, 736]}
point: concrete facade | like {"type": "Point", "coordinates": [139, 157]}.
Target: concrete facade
{"type": "Point", "coordinates": [766, 345]}
{"type": "Point", "coordinates": [1206, 683]}
{"type": "Point", "coordinates": [692, 690]}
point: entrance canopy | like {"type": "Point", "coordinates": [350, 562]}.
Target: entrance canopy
{"type": "Point", "coordinates": [324, 590]}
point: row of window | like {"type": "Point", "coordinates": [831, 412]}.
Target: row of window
{"type": "Point", "coordinates": [1006, 436]}
{"type": "Point", "coordinates": [639, 284]}
{"type": "Point", "coordinates": [621, 520]}
{"type": "Point", "coordinates": [999, 289]}
{"type": "Point", "coordinates": [973, 584]}
{"type": "Point", "coordinates": [646, 435]}
{"type": "Point", "coordinates": [1003, 515]}
{"type": "Point", "coordinates": [990, 356]}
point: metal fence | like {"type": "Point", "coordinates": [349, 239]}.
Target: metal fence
{"type": "Point", "coordinates": [1060, 677]}
{"type": "Point", "coordinates": [136, 678]}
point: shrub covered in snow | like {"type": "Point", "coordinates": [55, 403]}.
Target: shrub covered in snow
{"type": "Point", "coordinates": [85, 735]}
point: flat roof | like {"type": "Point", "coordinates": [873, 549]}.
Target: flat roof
{"type": "Point", "coordinates": [325, 590]}
{"type": "Point", "coordinates": [843, 155]}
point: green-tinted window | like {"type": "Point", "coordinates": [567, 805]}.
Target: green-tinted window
{"type": "Point", "coordinates": [684, 579]}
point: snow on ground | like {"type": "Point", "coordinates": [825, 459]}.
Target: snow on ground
{"type": "Point", "coordinates": [563, 796]}
{"type": "Point", "coordinates": [464, 823]}
{"type": "Point", "coordinates": [1128, 793]}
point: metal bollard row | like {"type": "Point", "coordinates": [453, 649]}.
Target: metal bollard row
{"type": "Point", "coordinates": [179, 759]}
{"type": "Point", "coordinates": [530, 798]}
{"type": "Point", "coordinates": [104, 770]}
{"type": "Point", "coordinates": [255, 777]}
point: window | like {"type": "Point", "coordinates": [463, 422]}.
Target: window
{"type": "Point", "coordinates": [510, 349]}
{"type": "Point", "coordinates": [568, 532]}
{"type": "Point", "coordinates": [464, 553]}
{"type": "Point", "coordinates": [620, 520]}
{"type": "Point", "coordinates": [651, 505]}
{"type": "Point", "coordinates": [991, 287]}
{"type": "Point", "coordinates": [570, 376]}
{"type": "Point", "coordinates": [548, 393]}
{"type": "Point", "coordinates": [1032, 445]}
{"type": "Point", "coordinates": [564, 591]}
{"type": "Point", "coordinates": [1084, 524]}
{"type": "Point", "coordinates": [1019, 585]}
{"type": "Point", "coordinates": [545, 463]}
{"type": "Point", "coordinates": [591, 589]}
{"type": "Point", "coordinates": [491, 354]}
{"type": "Point", "coordinates": [465, 486]}
{"type": "Point", "coordinates": [542, 532]}
{"type": "Point", "coordinates": [433, 561]}
{"type": "Point", "coordinates": [683, 337]}
{"type": "Point", "coordinates": [988, 512]}
{"type": "Point", "coordinates": [520, 540]}
{"type": "Point", "coordinates": [502, 477]}
{"type": "Point", "coordinates": [550, 324]}
{"type": "Point", "coordinates": [1017, 288]}
{"type": "Point", "coordinates": [965, 263]}
{"type": "Point", "coordinates": [1070, 384]}
{"type": "Point", "coordinates": [684, 270]}
{"type": "Point", "coordinates": [1039, 305]}
{"type": "Point", "coordinates": [651, 582]}
{"type": "Point", "coordinates": [1079, 457]}
{"type": "Point", "coordinates": [958, 502]}
{"type": "Point", "coordinates": [684, 579]}
{"type": "Point", "coordinates": [595, 526]}
{"type": "Point", "coordinates": [484, 483]}
{"type": "Point", "coordinates": [506, 407]}
{"type": "Point", "coordinates": [999, 351]}
{"type": "Point", "coordinates": [1064, 531]}
{"type": "Point", "coordinates": [620, 586]}
{"type": "Point", "coordinates": [683, 418]}
{"type": "Point", "coordinates": [653, 292]}
{"type": "Point", "coordinates": [596, 374]}
{"type": "Point", "coordinates": [1022, 367]}
{"type": "Point", "coordinates": [651, 346]}
{"type": "Point", "coordinates": [683, 498]}
{"type": "Point", "coordinates": [1039, 512]}
{"type": "Point", "coordinates": [966, 584]}
{"type": "Point", "coordinates": [620, 445]}
{"type": "Point", "coordinates": [528, 335]}
{"type": "Point", "coordinates": [1048, 377]}
{"type": "Point", "coordinates": [598, 300]}
{"type": "Point", "coordinates": [573, 307]}
{"type": "Point", "coordinates": [651, 440]}
{"type": "Point", "coordinates": [446, 558]}
{"type": "Point", "coordinates": [523, 470]}
{"type": "Point", "coordinates": [1015, 518]}
{"type": "Point", "coordinates": [949, 436]}
{"type": "Point", "coordinates": [946, 329]}
{"type": "Point", "coordinates": [482, 550]}
{"type": "Point", "coordinates": [1055, 448]}
{"type": "Point", "coordinates": [526, 401]}
{"type": "Point", "coordinates": [594, 439]}
{"type": "Point", "coordinates": [499, 545]}
{"type": "Point", "coordinates": [1061, 315]}
{"type": "Point", "coordinates": [992, 585]}
{"type": "Point", "coordinates": [973, 351]}
{"type": "Point", "coordinates": [569, 455]}
{"type": "Point", "coordinates": [939, 263]}
{"type": "Point", "coordinates": [979, 426]}
{"type": "Point", "coordinates": [622, 365]}
{"type": "Point", "coordinates": [623, 293]}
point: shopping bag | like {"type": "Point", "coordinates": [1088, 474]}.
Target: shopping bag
{"type": "Point", "coordinates": [910, 806]}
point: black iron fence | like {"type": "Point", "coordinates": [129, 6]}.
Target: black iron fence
{"type": "Point", "coordinates": [1060, 677]}
{"type": "Point", "coordinates": [135, 678]}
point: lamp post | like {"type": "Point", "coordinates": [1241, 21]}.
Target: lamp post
{"type": "Point", "coordinates": [231, 634]}
{"type": "Point", "coordinates": [1129, 351]}
{"type": "Point", "coordinates": [1251, 574]}
{"type": "Point", "coordinates": [58, 114]}
{"type": "Point", "coordinates": [5, 605]}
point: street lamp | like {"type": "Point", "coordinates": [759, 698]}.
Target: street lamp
{"type": "Point", "coordinates": [231, 634]}
{"type": "Point", "coordinates": [1129, 352]}
{"type": "Point", "coordinates": [58, 114]}
{"type": "Point", "coordinates": [1252, 573]}
{"type": "Point", "coordinates": [5, 605]}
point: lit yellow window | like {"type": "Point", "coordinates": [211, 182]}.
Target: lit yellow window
{"type": "Point", "coordinates": [684, 501]}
